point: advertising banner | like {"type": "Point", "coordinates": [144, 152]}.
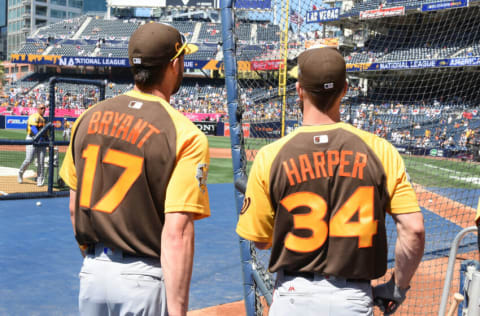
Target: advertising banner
{"type": "Point", "coordinates": [416, 64]}
{"type": "Point", "coordinates": [22, 110]}
{"type": "Point", "coordinates": [195, 117]}
{"type": "Point", "coordinates": [265, 130]}
{"type": "Point", "coordinates": [381, 13]}
{"type": "Point", "coordinates": [252, 4]}
{"type": "Point", "coordinates": [322, 42]}
{"type": "Point", "coordinates": [20, 122]}
{"type": "Point", "coordinates": [209, 128]}
{"type": "Point", "coordinates": [17, 122]}
{"type": "Point", "coordinates": [93, 61]}
{"type": "Point", "coordinates": [73, 113]}
{"type": "Point", "coordinates": [318, 16]}
{"type": "Point", "coordinates": [266, 65]}
{"type": "Point", "coordinates": [271, 129]}
{"type": "Point", "coordinates": [444, 5]}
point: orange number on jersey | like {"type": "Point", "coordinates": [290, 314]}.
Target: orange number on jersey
{"type": "Point", "coordinates": [360, 202]}
{"type": "Point", "coordinates": [365, 228]}
{"type": "Point", "coordinates": [90, 154]}
{"type": "Point", "coordinates": [312, 221]}
{"type": "Point", "coordinates": [133, 168]}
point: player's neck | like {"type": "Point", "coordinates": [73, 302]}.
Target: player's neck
{"type": "Point", "coordinates": [313, 116]}
{"type": "Point", "coordinates": [154, 91]}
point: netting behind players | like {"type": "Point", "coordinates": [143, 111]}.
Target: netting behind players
{"type": "Point", "coordinates": [65, 99]}
{"type": "Point", "coordinates": [413, 71]}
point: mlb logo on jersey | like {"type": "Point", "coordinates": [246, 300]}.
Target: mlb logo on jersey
{"type": "Point", "coordinates": [320, 139]}
{"type": "Point", "coordinates": [135, 105]}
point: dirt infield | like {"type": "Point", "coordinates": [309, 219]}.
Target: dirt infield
{"type": "Point", "coordinates": [234, 309]}
{"type": "Point", "coordinates": [9, 185]}
{"type": "Point", "coordinates": [61, 149]}
{"type": "Point", "coordinates": [445, 207]}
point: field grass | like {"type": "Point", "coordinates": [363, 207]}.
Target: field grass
{"type": "Point", "coordinates": [224, 142]}
{"type": "Point", "coordinates": [218, 141]}
{"type": "Point", "coordinates": [19, 134]}
{"type": "Point", "coordinates": [431, 172]}
{"type": "Point", "coordinates": [426, 171]}
{"type": "Point", "coordinates": [220, 169]}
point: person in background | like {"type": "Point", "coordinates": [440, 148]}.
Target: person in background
{"type": "Point", "coordinates": [67, 129]}
{"type": "Point", "coordinates": [35, 123]}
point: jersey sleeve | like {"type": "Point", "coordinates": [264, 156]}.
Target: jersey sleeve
{"type": "Point", "coordinates": [402, 196]}
{"type": "Point", "coordinates": [256, 218]}
{"type": "Point", "coordinates": [67, 171]}
{"type": "Point", "coordinates": [187, 188]}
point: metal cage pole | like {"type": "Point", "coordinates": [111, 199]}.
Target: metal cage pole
{"type": "Point", "coordinates": [451, 266]}
{"type": "Point", "coordinates": [235, 112]}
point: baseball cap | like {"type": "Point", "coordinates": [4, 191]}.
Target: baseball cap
{"type": "Point", "coordinates": [154, 44]}
{"type": "Point", "coordinates": [322, 70]}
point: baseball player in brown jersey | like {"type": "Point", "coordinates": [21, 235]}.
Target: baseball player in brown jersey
{"type": "Point", "coordinates": [137, 169]}
{"type": "Point", "coordinates": [319, 198]}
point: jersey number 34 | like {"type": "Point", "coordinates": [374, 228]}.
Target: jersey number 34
{"type": "Point", "coordinates": [340, 225]}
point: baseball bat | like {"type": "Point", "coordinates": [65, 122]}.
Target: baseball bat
{"type": "Point", "coordinates": [457, 298]}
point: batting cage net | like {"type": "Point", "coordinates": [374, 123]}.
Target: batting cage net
{"type": "Point", "coordinates": [21, 157]}
{"type": "Point", "coordinates": [413, 73]}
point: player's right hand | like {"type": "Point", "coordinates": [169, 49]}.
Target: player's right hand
{"type": "Point", "coordinates": [388, 296]}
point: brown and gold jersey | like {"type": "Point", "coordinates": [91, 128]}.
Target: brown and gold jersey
{"type": "Point", "coordinates": [132, 159]}
{"type": "Point", "coordinates": [320, 195]}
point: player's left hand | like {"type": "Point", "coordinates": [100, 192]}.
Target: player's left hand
{"type": "Point", "coordinates": [388, 296]}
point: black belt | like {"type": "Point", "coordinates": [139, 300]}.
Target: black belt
{"type": "Point", "coordinates": [311, 276]}
{"type": "Point", "coordinates": [91, 251]}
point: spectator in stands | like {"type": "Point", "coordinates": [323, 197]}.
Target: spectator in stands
{"type": "Point", "coordinates": [35, 123]}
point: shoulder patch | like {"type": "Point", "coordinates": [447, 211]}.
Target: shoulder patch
{"type": "Point", "coordinates": [202, 175]}
{"type": "Point", "coordinates": [246, 204]}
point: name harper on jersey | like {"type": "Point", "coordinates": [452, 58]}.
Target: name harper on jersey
{"type": "Point", "coordinates": [122, 126]}
{"type": "Point", "coordinates": [323, 164]}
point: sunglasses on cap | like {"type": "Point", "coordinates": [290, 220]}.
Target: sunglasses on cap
{"type": "Point", "coordinates": [180, 47]}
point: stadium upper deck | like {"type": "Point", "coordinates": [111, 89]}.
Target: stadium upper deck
{"type": "Point", "coordinates": [414, 36]}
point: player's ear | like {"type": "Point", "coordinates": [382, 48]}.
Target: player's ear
{"type": "Point", "coordinates": [345, 89]}
{"type": "Point", "coordinates": [174, 64]}
{"type": "Point", "coordinates": [177, 63]}
{"type": "Point", "coordinates": [299, 89]}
